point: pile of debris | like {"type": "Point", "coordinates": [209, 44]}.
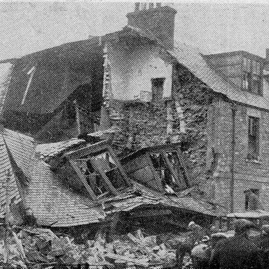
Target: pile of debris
{"type": "Point", "coordinates": [35, 246]}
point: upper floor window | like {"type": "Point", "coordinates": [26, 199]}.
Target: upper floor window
{"type": "Point", "coordinates": [157, 89]}
{"type": "Point", "coordinates": [253, 138]}
{"type": "Point", "coordinates": [252, 76]}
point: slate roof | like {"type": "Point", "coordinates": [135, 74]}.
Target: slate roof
{"type": "Point", "coordinates": [196, 63]}
{"type": "Point", "coordinates": [54, 149]}
{"type": "Point", "coordinates": [5, 166]}
{"type": "Point", "coordinates": [193, 60]}
{"type": "Point", "coordinates": [22, 148]}
{"type": "Point", "coordinates": [54, 204]}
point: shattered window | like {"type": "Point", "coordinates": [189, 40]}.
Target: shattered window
{"type": "Point", "coordinates": [168, 167]}
{"type": "Point", "coordinates": [160, 167]}
{"type": "Point", "coordinates": [107, 164]}
{"type": "Point", "coordinates": [92, 177]}
{"type": "Point", "coordinates": [98, 169]}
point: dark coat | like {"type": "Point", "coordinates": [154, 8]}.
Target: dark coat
{"type": "Point", "coordinates": [234, 253]}
{"type": "Point", "coordinates": [262, 242]}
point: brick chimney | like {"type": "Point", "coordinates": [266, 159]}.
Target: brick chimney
{"type": "Point", "coordinates": [160, 21]}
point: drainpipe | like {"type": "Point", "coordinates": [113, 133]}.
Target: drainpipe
{"type": "Point", "coordinates": [232, 159]}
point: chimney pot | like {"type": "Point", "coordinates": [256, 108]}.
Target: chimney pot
{"type": "Point", "coordinates": [143, 6]}
{"type": "Point", "coordinates": [137, 6]}
{"type": "Point", "coordinates": [159, 21]}
{"type": "Point", "coordinates": [151, 5]}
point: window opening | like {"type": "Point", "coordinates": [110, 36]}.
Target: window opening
{"type": "Point", "coordinates": [252, 76]}
{"type": "Point", "coordinates": [157, 89]}
{"type": "Point", "coordinates": [253, 138]}
{"type": "Point", "coordinates": [252, 200]}
{"type": "Point", "coordinates": [99, 167]}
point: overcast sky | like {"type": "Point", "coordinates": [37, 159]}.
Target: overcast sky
{"type": "Point", "coordinates": [28, 27]}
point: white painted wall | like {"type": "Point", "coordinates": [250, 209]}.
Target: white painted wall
{"type": "Point", "coordinates": [132, 70]}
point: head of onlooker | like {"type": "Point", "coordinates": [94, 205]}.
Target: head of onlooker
{"type": "Point", "coordinates": [243, 227]}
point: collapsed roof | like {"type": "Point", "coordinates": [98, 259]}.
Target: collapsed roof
{"type": "Point", "coordinates": [55, 202]}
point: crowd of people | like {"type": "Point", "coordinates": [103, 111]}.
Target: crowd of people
{"type": "Point", "coordinates": [218, 251]}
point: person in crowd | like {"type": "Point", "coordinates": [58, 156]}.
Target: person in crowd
{"type": "Point", "coordinates": [200, 254]}
{"type": "Point", "coordinates": [253, 201]}
{"type": "Point", "coordinates": [195, 237]}
{"type": "Point", "coordinates": [262, 242]}
{"type": "Point", "coordinates": [237, 251]}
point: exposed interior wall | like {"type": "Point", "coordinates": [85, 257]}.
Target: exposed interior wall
{"type": "Point", "coordinates": [133, 68]}
{"type": "Point", "coordinates": [182, 119]}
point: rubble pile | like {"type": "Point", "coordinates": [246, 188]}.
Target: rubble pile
{"type": "Point", "coordinates": [194, 99]}
{"type": "Point", "coordinates": [34, 246]}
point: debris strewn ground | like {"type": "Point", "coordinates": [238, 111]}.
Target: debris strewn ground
{"type": "Point", "coordinates": [35, 246]}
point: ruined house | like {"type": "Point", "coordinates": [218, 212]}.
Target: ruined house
{"type": "Point", "coordinates": [157, 91]}
{"type": "Point", "coordinates": [71, 185]}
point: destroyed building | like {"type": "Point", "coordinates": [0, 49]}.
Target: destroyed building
{"type": "Point", "coordinates": [72, 183]}
{"type": "Point", "coordinates": [157, 91]}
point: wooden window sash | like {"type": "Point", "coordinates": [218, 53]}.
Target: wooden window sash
{"type": "Point", "coordinates": [118, 165]}
{"type": "Point", "coordinates": [82, 178]}
{"type": "Point", "coordinates": [107, 182]}
{"type": "Point", "coordinates": [155, 174]}
{"type": "Point", "coordinates": [170, 167]}
{"type": "Point", "coordinates": [182, 163]}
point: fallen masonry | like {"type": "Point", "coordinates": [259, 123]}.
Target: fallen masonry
{"type": "Point", "coordinates": [78, 204]}
{"type": "Point", "coordinates": [41, 248]}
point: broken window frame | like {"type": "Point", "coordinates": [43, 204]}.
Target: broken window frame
{"type": "Point", "coordinates": [100, 147]}
{"type": "Point", "coordinates": [163, 150]}
{"type": "Point", "coordinates": [253, 138]}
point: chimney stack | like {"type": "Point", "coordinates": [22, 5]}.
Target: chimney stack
{"type": "Point", "coordinates": [160, 21]}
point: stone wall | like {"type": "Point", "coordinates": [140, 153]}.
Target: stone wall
{"type": "Point", "coordinates": [180, 119]}
{"type": "Point", "coordinates": [247, 173]}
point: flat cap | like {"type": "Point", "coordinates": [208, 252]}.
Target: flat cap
{"type": "Point", "coordinates": [242, 225]}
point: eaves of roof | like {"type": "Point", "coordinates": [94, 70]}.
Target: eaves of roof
{"type": "Point", "coordinates": [196, 64]}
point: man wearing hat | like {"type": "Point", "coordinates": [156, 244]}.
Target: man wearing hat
{"type": "Point", "coordinates": [200, 254]}
{"type": "Point", "coordinates": [238, 251]}
{"type": "Point", "coordinates": [197, 233]}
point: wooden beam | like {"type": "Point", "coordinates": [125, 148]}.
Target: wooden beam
{"type": "Point", "coordinates": [108, 184]}
{"type": "Point", "coordinates": [170, 167]}
{"type": "Point", "coordinates": [151, 213]}
{"type": "Point", "coordinates": [183, 165]}
{"type": "Point", "coordinates": [118, 164]}
{"type": "Point", "coordinates": [156, 176]}
{"type": "Point", "coordinates": [87, 150]}
{"type": "Point", "coordinates": [83, 180]}
{"type": "Point", "coordinates": [77, 117]}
